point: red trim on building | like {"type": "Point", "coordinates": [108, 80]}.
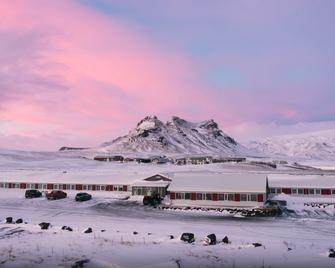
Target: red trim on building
{"type": "Point", "coordinates": [287, 190]}
{"type": "Point", "coordinates": [9, 185]}
{"type": "Point", "coordinates": [125, 188]}
{"type": "Point", "coordinates": [79, 187]}
{"type": "Point", "coordinates": [237, 198]}
{"type": "Point", "coordinates": [23, 185]}
{"type": "Point", "coordinates": [215, 197]}
{"type": "Point", "coordinates": [326, 192]}
{"type": "Point", "coordinates": [94, 187]}
{"type": "Point", "coordinates": [36, 185]}
{"type": "Point", "coordinates": [260, 198]}
{"type": "Point", "coordinates": [50, 186]}
{"type": "Point", "coordinates": [193, 196]}
{"type": "Point", "coordinates": [306, 191]}
{"type": "Point", "coordinates": [172, 196]}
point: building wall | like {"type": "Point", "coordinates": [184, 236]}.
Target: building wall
{"type": "Point", "coordinates": [65, 186]}
{"type": "Point", "coordinates": [303, 192]}
{"type": "Point", "coordinates": [216, 200]}
{"type": "Point", "coordinates": [139, 190]}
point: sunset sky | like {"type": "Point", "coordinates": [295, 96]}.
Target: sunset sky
{"type": "Point", "coordinates": [81, 72]}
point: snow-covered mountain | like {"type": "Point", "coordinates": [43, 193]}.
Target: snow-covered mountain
{"type": "Point", "coordinates": [177, 136]}
{"type": "Point", "coordinates": [315, 145]}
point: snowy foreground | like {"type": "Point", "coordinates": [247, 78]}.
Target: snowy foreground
{"type": "Point", "coordinates": [301, 240]}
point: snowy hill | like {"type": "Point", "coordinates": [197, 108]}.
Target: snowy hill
{"type": "Point", "coordinates": [316, 145]}
{"type": "Point", "coordinates": [177, 136]}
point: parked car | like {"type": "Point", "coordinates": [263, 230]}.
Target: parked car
{"type": "Point", "coordinates": [83, 197]}
{"type": "Point", "coordinates": [56, 194]}
{"type": "Point", "coordinates": [33, 194]}
{"type": "Point", "coordinates": [152, 200]}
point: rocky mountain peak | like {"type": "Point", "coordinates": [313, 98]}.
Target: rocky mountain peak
{"type": "Point", "coordinates": [177, 136]}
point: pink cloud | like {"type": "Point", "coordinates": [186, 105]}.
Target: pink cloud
{"type": "Point", "coordinates": [78, 71]}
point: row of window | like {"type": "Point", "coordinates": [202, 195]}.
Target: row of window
{"type": "Point", "coordinates": [302, 191]}
{"type": "Point", "coordinates": [216, 197]}
{"type": "Point", "coordinates": [44, 186]}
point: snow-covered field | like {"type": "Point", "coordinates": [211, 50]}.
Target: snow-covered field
{"type": "Point", "coordinates": [299, 239]}
{"type": "Point", "coordinates": [292, 241]}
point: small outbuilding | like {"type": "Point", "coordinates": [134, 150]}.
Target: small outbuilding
{"type": "Point", "coordinates": [156, 184]}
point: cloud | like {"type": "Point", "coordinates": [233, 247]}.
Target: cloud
{"type": "Point", "coordinates": [89, 79]}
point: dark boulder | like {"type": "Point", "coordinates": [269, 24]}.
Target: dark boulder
{"type": "Point", "coordinates": [171, 237]}
{"type": "Point", "coordinates": [256, 245]}
{"type": "Point", "coordinates": [187, 237]}
{"type": "Point", "coordinates": [44, 225]}
{"type": "Point", "coordinates": [80, 263]}
{"type": "Point", "coordinates": [88, 230]}
{"type": "Point", "coordinates": [331, 253]}
{"type": "Point", "coordinates": [210, 239]}
{"type": "Point", "coordinates": [9, 220]}
{"type": "Point", "coordinates": [64, 227]}
{"type": "Point", "coordinates": [135, 233]}
{"type": "Point", "coordinates": [225, 240]}
{"type": "Point", "coordinates": [69, 229]}
{"type": "Point", "coordinates": [18, 221]}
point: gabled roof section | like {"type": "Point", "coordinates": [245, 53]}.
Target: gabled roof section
{"type": "Point", "coordinates": [157, 177]}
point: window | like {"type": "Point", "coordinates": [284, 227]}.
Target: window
{"type": "Point", "coordinates": [294, 191]}
{"type": "Point", "coordinates": [278, 190]}
{"type": "Point", "coordinates": [208, 196]}
{"type": "Point", "coordinates": [300, 191]}
{"type": "Point", "coordinates": [85, 187]}
{"type": "Point", "coordinates": [311, 191]}
{"type": "Point", "coordinates": [221, 197]}
{"type": "Point", "coordinates": [179, 195]}
{"type": "Point", "coordinates": [199, 196]}
{"type": "Point", "coordinates": [44, 186]}
{"type": "Point", "coordinates": [317, 191]}
{"type": "Point", "coordinates": [115, 188]}
{"type": "Point", "coordinates": [243, 197]}
{"type": "Point", "coordinates": [2, 185]}
{"type": "Point", "coordinates": [89, 187]}
{"type": "Point", "coordinates": [333, 191]}
{"type": "Point", "coordinates": [187, 196]}
{"type": "Point", "coordinates": [120, 188]}
{"type": "Point", "coordinates": [102, 187]}
{"type": "Point", "coordinates": [98, 187]}
{"type": "Point", "coordinates": [230, 197]}
{"type": "Point", "coordinates": [60, 186]}
{"type": "Point", "coordinates": [252, 197]}
{"type": "Point", "coordinates": [55, 186]}
{"type": "Point", "coordinates": [272, 190]}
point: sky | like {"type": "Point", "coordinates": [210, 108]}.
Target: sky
{"type": "Point", "coordinates": [82, 72]}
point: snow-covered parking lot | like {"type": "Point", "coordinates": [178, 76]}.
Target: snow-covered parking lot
{"type": "Point", "coordinates": [126, 234]}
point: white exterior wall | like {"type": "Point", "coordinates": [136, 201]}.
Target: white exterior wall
{"type": "Point", "coordinates": [215, 204]}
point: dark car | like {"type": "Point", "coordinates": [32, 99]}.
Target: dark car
{"type": "Point", "coordinates": [152, 200]}
{"type": "Point", "coordinates": [33, 194]}
{"type": "Point", "coordinates": [56, 194]}
{"type": "Point", "coordinates": [83, 197]}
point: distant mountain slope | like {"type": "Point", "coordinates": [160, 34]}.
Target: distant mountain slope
{"type": "Point", "coordinates": [177, 136]}
{"type": "Point", "coordinates": [316, 145]}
